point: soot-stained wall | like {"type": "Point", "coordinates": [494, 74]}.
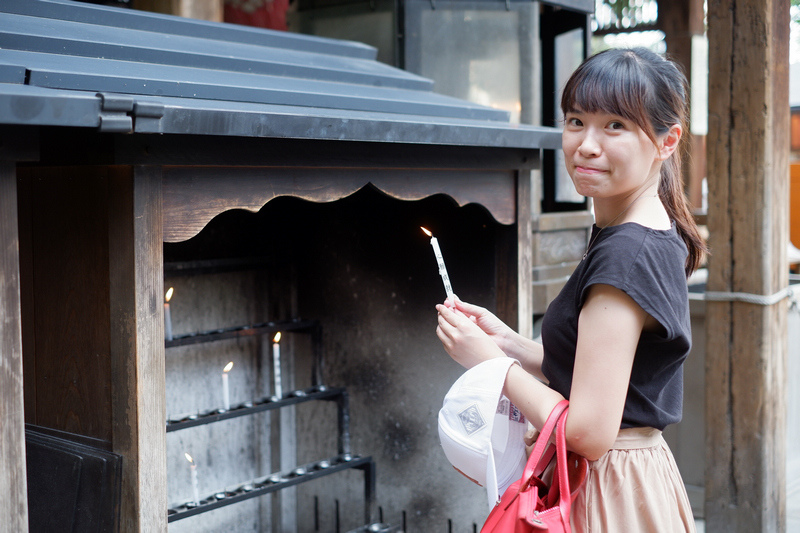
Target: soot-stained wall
{"type": "Point", "coordinates": [364, 269]}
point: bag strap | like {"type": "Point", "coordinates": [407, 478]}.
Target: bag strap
{"type": "Point", "coordinates": [543, 440]}
{"type": "Point", "coordinates": [561, 474]}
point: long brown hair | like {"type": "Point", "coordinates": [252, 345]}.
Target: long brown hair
{"type": "Point", "coordinates": [649, 90]}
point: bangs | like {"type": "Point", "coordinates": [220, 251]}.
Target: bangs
{"type": "Point", "coordinates": [611, 83]}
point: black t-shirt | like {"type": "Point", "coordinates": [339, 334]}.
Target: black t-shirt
{"type": "Point", "coordinates": [648, 265]}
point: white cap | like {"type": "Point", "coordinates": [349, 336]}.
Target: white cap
{"type": "Point", "coordinates": [481, 431]}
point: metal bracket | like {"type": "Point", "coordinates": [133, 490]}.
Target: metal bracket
{"type": "Point", "coordinates": [114, 117]}
{"type": "Point", "coordinates": [117, 112]}
{"type": "Point", "coordinates": [148, 110]}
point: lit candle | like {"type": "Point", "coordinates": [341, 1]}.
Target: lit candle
{"type": "Point", "coordinates": [195, 487]}
{"type": "Point", "coordinates": [167, 316]}
{"type": "Point", "coordinates": [440, 261]}
{"type": "Point", "coordinates": [276, 365]}
{"type": "Point", "coordinates": [226, 397]}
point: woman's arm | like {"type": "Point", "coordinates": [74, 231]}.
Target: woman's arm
{"type": "Point", "coordinates": [609, 327]}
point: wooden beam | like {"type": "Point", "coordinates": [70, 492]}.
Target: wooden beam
{"type": "Point", "coordinates": [137, 345]}
{"type": "Point", "coordinates": [14, 503]}
{"type": "Point", "coordinates": [748, 221]}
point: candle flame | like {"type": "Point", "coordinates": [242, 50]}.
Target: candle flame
{"type": "Point", "coordinates": [428, 233]}
{"type": "Point", "coordinates": [277, 337]}
{"type": "Point", "coordinates": [169, 295]}
{"type": "Point", "coordinates": [228, 367]}
{"type": "Point", "coordinates": [188, 457]}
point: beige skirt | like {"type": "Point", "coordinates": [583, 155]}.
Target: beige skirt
{"type": "Point", "coordinates": [634, 487]}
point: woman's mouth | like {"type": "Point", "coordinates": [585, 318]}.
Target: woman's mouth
{"type": "Point", "coordinates": [587, 170]}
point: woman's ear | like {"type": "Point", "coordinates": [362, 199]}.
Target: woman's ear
{"type": "Point", "coordinates": [669, 142]}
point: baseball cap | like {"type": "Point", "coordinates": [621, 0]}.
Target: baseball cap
{"type": "Point", "coordinates": [481, 431]}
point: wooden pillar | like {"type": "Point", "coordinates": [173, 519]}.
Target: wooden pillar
{"type": "Point", "coordinates": [681, 21]}
{"type": "Point", "coordinates": [748, 148]}
{"type": "Point", "coordinates": [137, 345]}
{"type": "Point", "coordinates": [14, 503]}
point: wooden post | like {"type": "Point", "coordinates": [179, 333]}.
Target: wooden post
{"type": "Point", "coordinates": [137, 345]}
{"type": "Point", "coordinates": [525, 195]}
{"type": "Point", "coordinates": [748, 148]}
{"type": "Point", "coordinates": [681, 20]}
{"type": "Point", "coordinates": [14, 503]}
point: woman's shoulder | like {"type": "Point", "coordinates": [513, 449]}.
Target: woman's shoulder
{"type": "Point", "coordinates": [634, 247]}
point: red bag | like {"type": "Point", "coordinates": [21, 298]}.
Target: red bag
{"type": "Point", "coordinates": [529, 505]}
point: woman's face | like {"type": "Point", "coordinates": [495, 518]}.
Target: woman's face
{"type": "Point", "coordinates": [608, 156]}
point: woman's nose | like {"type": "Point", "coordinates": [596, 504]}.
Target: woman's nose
{"type": "Point", "coordinates": [589, 146]}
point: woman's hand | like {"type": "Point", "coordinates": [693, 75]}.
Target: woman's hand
{"type": "Point", "coordinates": [488, 322]}
{"type": "Point", "coordinates": [463, 339]}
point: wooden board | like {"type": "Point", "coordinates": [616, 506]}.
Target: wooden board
{"type": "Point", "coordinates": [14, 504]}
{"type": "Point", "coordinates": [65, 257]}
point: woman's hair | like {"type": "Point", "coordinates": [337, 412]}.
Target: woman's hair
{"type": "Point", "coordinates": [643, 87]}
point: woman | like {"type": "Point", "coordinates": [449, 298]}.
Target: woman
{"type": "Point", "coordinates": [615, 338]}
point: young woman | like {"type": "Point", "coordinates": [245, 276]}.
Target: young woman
{"type": "Point", "coordinates": [615, 339]}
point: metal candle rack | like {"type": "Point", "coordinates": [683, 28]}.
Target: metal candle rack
{"type": "Point", "coordinates": [317, 392]}
{"type": "Point", "coordinates": [281, 480]}
{"type": "Point", "coordinates": [297, 325]}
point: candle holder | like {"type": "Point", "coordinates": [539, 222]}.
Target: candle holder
{"type": "Point", "coordinates": [281, 480]}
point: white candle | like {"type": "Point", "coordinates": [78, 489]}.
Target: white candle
{"type": "Point", "coordinates": [226, 397]}
{"type": "Point", "coordinates": [167, 316]}
{"type": "Point", "coordinates": [195, 486]}
{"type": "Point", "coordinates": [276, 365]}
{"type": "Point", "coordinates": [440, 261]}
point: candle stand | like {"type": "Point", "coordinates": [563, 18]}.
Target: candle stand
{"type": "Point", "coordinates": [343, 460]}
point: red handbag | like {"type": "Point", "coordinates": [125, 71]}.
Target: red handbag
{"type": "Point", "coordinates": [529, 505]}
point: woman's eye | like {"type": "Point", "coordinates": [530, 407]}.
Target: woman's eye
{"type": "Point", "coordinates": [616, 125]}
{"type": "Point", "coordinates": [574, 122]}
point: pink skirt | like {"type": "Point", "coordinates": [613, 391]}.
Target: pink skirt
{"type": "Point", "coordinates": [634, 487]}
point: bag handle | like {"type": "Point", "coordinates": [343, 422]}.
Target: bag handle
{"type": "Point", "coordinates": [542, 443]}
{"type": "Point", "coordinates": [561, 474]}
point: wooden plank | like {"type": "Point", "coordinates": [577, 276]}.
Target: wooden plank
{"type": "Point", "coordinates": [748, 221]}
{"type": "Point", "coordinates": [195, 195]}
{"type": "Point", "coordinates": [25, 207]}
{"type": "Point", "coordinates": [68, 362]}
{"type": "Point", "coordinates": [137, 345]}
{"type": "Point", "coordinates": [506, 276]}
{"type": "Point", "coordinates": [14, 503]}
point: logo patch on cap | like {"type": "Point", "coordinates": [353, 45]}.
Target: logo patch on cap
{"type": "Point", "coordinates": [471, 419]}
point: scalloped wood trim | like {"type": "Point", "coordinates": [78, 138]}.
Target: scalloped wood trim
{"type": "Point", "coordinates": [194, 195]}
